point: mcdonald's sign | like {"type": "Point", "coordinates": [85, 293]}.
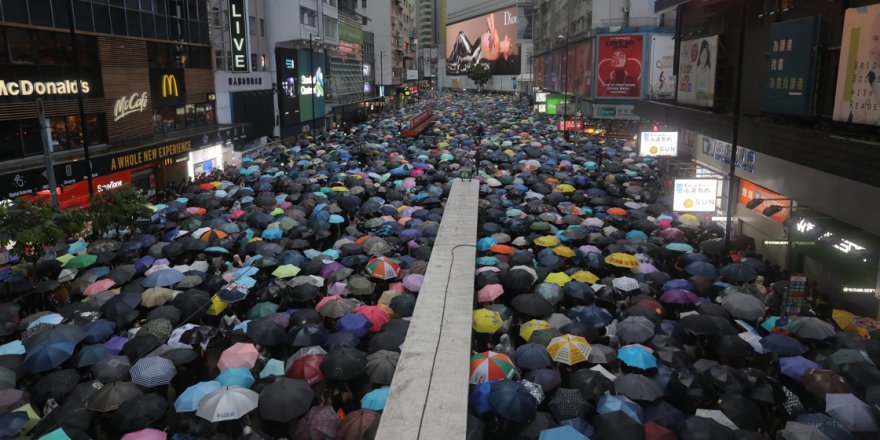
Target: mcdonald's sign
{"type": "Point", "coordinates": [167, 86]}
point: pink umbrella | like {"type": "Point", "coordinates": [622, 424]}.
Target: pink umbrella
{"type": "Point", "coordinates": [645, 268]}
{"type": "Point", "coordinates": [589, 249]}
{"type": "Point", "coordinates": [490, 293]}
{"type": "Point", "coordinates": [397, 287]}
{"type": "Point", "coordinates": [240, 355]}
{"type": "Point", "coordinates": [338, 289]}
{"type": "Point", "coordinates": [408, 183]}
{"type": "Point", "coordinates": [98, 286]}
{"type": "Point", "coordinates": [665, 223]}
{"type": "Point", "coordinates": [146, 434]}
{"type": "Point", "coordinates": [413, 282]}
{"type": "Point", "coordinates": [236, 214]}
{"type": "Point", "coordinates": [375, 314]}
{"type": "Point", "coordinates": [326, 299]}
{"type": "Point", "coordinates": [673, 234]}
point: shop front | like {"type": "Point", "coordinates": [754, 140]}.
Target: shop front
{"type": "Point", "coordinates": [246, 98]}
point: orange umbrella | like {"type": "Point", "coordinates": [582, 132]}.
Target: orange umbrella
{"type": "Point", "coordinates": [213, 234]}
{"type": "Point", "coordinates": [616, 211]}
{"type": "Point", "coordinates": [551, 180]}
{"type": "Point", "coordinates": [501, 249]}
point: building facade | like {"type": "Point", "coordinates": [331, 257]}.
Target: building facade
{"type": "Point", "coordinates": [392, 24]}
{"type": "Point", "coordinates": [347, 88]}
{"type": "Point", "coordinates": [144, 73]}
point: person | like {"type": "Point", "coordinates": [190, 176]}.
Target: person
{"type": "Point", "coordinates": [621, 81]}
{"type": "Point", "coordinates": [703, 73]}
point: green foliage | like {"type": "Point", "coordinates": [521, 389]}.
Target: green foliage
{"type": "Point", "coordinates": [118, 208]}
{"type": "Point", "coordinates": [479, 74]}
{"type": "Point", "coordinates": [34, 225]}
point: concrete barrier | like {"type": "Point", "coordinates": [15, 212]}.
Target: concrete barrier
{"type": "Point", "coordinates": [428, 397]}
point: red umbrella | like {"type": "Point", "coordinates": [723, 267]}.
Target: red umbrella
{"type": "Point", "coordinates": [376, 315]}
{"type": "Point", "coordinates": [654, 431]}
{"type": "Point", "coordinates": [356, 424]}
{"type": "Point", "coordinates": [307, 368]}
{"type": "Point", "coordinates": [673, 234]}
{"type": "Point", "coordinates": [207, 187]}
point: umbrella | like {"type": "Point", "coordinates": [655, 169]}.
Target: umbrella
{"type": "Point", "coordinates": [568, 349]}
{"type": "Point", "coordinates": [532, 305]}
{"type": "Point", "coordinates": [568, 403]}
{"type": "Point", "coordinates": [619, 259]}
{"type": "Point", "coordinates": [375, 400]}
{"type": "Point", "coordinates": [800, 431]}
{"type": "Point", "coordinates": [152, 371]}
{"type": "Point", "coordinates": [188, 400]}
{"type": "Point", "coordinates": [227, 403]}
{"type": "Point", "coordinates": [266, 332]}
{"type": "Point", "coordinates": [782, 345]}
{"type": "Point", "coordinates": [320, 422]}
{"type": "Point", "coordinates": [637, 387]}
{"type": "Point", "coordinates": [795, 366]}
{"type": "Point", "coordinates": [112, 395]}
{"type": "Point", "coordinates": [381, 365]}
{"type": "Point", "coordinates": [635, 329]}
{"type": "Point", "coordinates": [343, 363]}
{"type": "Point", "coordinates": [637, 356]}
{"type": "Point", "coordinates": [49, 355]}
{"type": "Point", "coordinates": [239, 355]}
{"type": "Point", "coordinates": [855, 415]}
{"type": "Point", "coordinates": [357, 423]}
{"type": "Point", "coordinates": [235, 376]}
{"type": "Point", "coordinates": [511, 401]}
{"type": "Point", "coordinates": [162, 278]}
{"type": "Point", "coordinates": [146, 434]}
{"type": "Point", "coordinates": [616, 425]}
{"type": "Point", "coordinates": [285, 399]}
{"type": "Point", "coordinates": [490, 366]}
{"type": "Point", "coordinates": [564, 432]}
{"type": "Point", "coordinates": [738, 273]}
{"type": "Point", "coordinates": [140, 412]}
{"type": "Point", "coordinates": [742, 305]}
{"type": "Point", "coordinates": [532, 357]}
{"type": "Point", "coordinates": [811, 328]}
{"type": "Point", "coordinates": [704, 428]}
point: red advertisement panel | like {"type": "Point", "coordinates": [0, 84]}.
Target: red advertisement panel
{"type": "Point", "coordinates": [748, 191]}
{"type": "Point", "coordinates": [619, 69]}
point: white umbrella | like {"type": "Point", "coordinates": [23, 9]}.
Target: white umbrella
{"type": "Point", "coordinates": [625, 284]}
{"type": "Point", "coordinates": [718, 416]}
{"type": "Point", "coordinates": [227, 403]}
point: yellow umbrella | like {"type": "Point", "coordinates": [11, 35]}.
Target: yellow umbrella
{"type": "Point", "coordinates": [33, 417]}
{"type": "Point", "coordinates": [619, 259]}
{"type": "Point", "coordinates": [569, 349]}
{"type": "Point", "coordinates": [64, 259]}
{"type": "Point", "coordinates": [585, 276]}
{"type": "Point", "coordinates": [443, 144]}
{"type": "Point", "coordinates": [216, 184]}
{"type": "Point", "coordinates": [558, 278]}
{"type": "Point", "coordinates": [844, 320]}
{"type": "Point", "coordinates": [387, 296]}
{"type": "Point", "coordinates": [563, 251]}
{"type": "Point", "coordinates": [547, 241]}
{"type": "Point", "coordinates": [487, 321]}
{"type": "Point", "coordinates": [528, 328]}
{"type": "Point", "coordinates": [564, 188]}
{"type": "Point", "coordinates": [217, 306]}
{"type": "Point", "coordinates": [689, 219]}
{"type": "Point", "coordinates": [339, 188]}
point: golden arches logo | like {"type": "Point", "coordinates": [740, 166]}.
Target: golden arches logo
{"type": "Point", "coordinates": [169, 86]}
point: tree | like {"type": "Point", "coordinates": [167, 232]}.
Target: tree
{"type": "Point", "coordinates": [33, 225]}
{"type": "Point", "coordinates": [117, 209]}
{"type": "Point", "coordinates": [480, 74]}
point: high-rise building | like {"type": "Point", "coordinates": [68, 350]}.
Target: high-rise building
{"type": "Point", "coordinates": [393, 26]}
{"type": "Point", "coordinates": [430, 24]}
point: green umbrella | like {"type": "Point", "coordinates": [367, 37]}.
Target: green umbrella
{"type": "Point", "coordinates": [81, 261]}
{"type": "Point", "coordinates": [287, 224]}
{"type": "Point", "coordinates": [374, 222]}
{"type": "Point", "coordinates": [285, 271]}
{"type": "Point", "coordinates": [191, 224]}
{"type": "Point", "coordinates": [360, 286]}
{"type": "Point", "coordinates": [261, 310]}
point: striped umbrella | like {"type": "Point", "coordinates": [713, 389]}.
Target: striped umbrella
{"type": "Point", "coordinates": [152, 371]}
{"type": "Point", "coordinates": [490, 366]}
{"type": "Point", "coordinates": [569, 349]}
{"type": "Point", "coordinates": [383, 268]}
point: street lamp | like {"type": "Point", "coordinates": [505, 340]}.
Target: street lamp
{"type": "Point", "coordinates": [314, 78]}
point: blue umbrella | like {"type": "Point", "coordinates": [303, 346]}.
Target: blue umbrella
{"type": "Point", "coordinates": [829, 426]}
{"type": "Point", "coordinates": [678, 283]}
{"type": "Point", "coordinates": [596, 317]}
{"type": "Point", "coordinates": [12, 422]}
{"type": "Point", "coordinates": [99, 271]}
{"type": "Point", "coordinates": [564, 432]}
{"type": "Point", "coordinates": [478, 399]}
{"type": "Point", "coordinates": [98, 331]}
{"type": "Point", "coordinates": [14, 347]}
{"type": "Point", "coordinates": [635, 234]}
{"type": "Point", "coordinates": [636, 356]}
{"type": "Point", "coordinates": [608, 404]}
{"type": "Point", "coordinates": [702, 268]}
{"type": "Point", "coordinates": [354, 323]}
{"type": "Point", "coordinates": [216, 250]}
{"type": "Point", "coordinates": [690, 258]}
{"type": "Point", "coordinates": [375, 400]}
{"type": "Point", "coordinates": [771, 321]}
{"type": "Point", "coordinates": [49, 355]}
{"type": "Point", "coordinates": [272, 234]}
{"type": "Point", "coordinates": [582, 426]}
{"type": "Point", "coordinates": [90, 355]}
{"type": "Point", "coordinates": [144, 263]}
{"type": "Point", "coordinates": [52, 318]}
{"type": "Point", "coordinates": [336, 219]}
{"type": "Point", "coordinates": [274, 367]}
{"type": "Point", "coordinates": [532, 356]}
{"type": "Point", "coordinates": [485, 243]}
{"type": "Point", "coordinates": [162, 278]}
{"type": "Point", "coordinates": [782, 345]}
{"type": "Point", "coordinates": [511, 400]}
{"type": "Point", "coordinates": [236, 377]}
{"type": "Point", "coordinates": [795, 366]}
{"type": "Point", "coordinates": [679, 247]}
{"type": "Point", "coordinates": [233, 293]}
{"type": "Point", "coordinates": [245, 271]}
{"type": "Point", "coordinates": [487, 261]}
{"type": "Point", "coordinates": [188, 401]}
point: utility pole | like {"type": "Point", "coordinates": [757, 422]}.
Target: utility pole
{"type": "Point", "coordinates": [314, 80]}
{"type": "Point", "coordinates": [47, 153]}
{"type": "Point", "coordinates": [732, 194]}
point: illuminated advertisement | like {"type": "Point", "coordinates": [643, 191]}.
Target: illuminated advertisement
{"type": "Point", "coordinates": [696, 71]}
{"type": "Point", "coordinates": [286, 64]}
{"type": "Point", "coordinates": [619, 66]}
{"type": "Point", "coordinates": [748, 192]}
{"type": "Point", "coordinates": [793, 50]}
{"type": "Point", "coordinates": [694, 195]}
{"type": "Point", "coordinates": [662, 63]}
{"type": "Point", "coordinates": [580, 68]}
{"type": "Point", "coordinates": [310, 85]}
{"type": "Point", "coordinates": [350, 41]}
{"type": "Point", "coordinates": [489, 39]}
{"type": "Point", "coordinates": [856, 99]}
{"type": "Point", "coordinates": [658, 143]}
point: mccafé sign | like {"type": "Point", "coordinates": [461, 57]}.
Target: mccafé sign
{"type": "Point", "coordinates": [127, 105]}
{"type": "Point", "coordinates": [24, 87]}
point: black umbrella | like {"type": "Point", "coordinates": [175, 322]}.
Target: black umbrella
{"type": "Point", "coordinates": [192, 303]}
{"type": "Point", "coordinates": [732, 345]}
{"type": "Point", "coordinates": [403, 305]}
{"type": "Point", "coordinates": [285, 399]}
{"type": "Point", "coordinates": [617, 425]}
{"type": "Point", "coordinates": [180, 356]}
{"type": "Point", "coordinates": [306, 335]}
{"type": "Point", "coordinates": [140, 412]}
{"type": "Point", "coordinates": [704, 428]}
{"type": "Point", "coordinates": [532, 305]}
{"type": "Point", "coordinates": [591, 383]}
{"type": "Point", "coordinates": [738, 273]}
{"type": "Point", "coordinates": [638, 387]}
{"type": "Point", "coordinates": [71, 416]}
{"type": "Point", "coordinates": [169, 312]}
{"type": "Point", "coordinates": [111, 369]}
{"type": "Point", "coordinates": [55, 385]}
{"type": "Point", "coordinates": [343, 363]}
{"type": "Point", "coordinates": [112, 395]}
{"type": "Point", "coordinates": [140, 346]}
{"type": "Point", "coordinates": [742, 411]}
{"type": "Point", "coordinates": [706, 325]}
{"type": "Point", "coordinates": [266, 332]}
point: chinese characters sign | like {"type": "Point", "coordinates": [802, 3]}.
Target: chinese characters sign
{"type": "Point", "coordinates": [792, 51]}
{"type": "Point", "coordinates": [619, 68]}
{"type": "Point", "coordinates": [570, 124]}
{"type": "Point", "coordinates": [720, 151]}
{"type": "Point", "coordinates": [696, 71]}
{"type": "Point", "coordinates": [658, 143]}
{"type": "Point", "coordinates": [695, 195]}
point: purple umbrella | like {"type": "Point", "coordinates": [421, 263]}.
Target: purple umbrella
{"type": "Point", "coordinates": [144, 263]}
{"type": "Point", "coordinates": [413, 282]}
{"type": "Point", "coordinates": [679, 296]}
{"type": "Point", "coordinates": [161, 262]}
{"type": "Point", "coordinates": [116, 343]}
{"type": "Point", "coordinates": [354, 323]}
{"type": "Point", "coordinates": [329, 269]}
{"type": "Point", "coordinates": [795, 366]}
{"type": "Point", "coordinates": [338, 289]}
{"type": "Point", "coordinates": [409, 234]}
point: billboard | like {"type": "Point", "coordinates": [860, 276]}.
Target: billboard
{"type": "Point", "coordinates": [238, 33]}
{"type": "Point", "coordinates": [619, 66]}
{"type": "Point", "coordinates": [662, 62]}
{"type": "Point", "coordinates": [489, 39]}
{"type": "Point", "coordinates": [286, 66]}
{"type": "Point", "coordinates": [538, 70]}
{"type": "Point", "coordinates": [856, 99]}
{"type": "Point", "coordinates": [310, 81]}
{"type": "Point", "coordinates": [350, 41]}
{"type": "Point", "coordinates": [580, 68]}
{"type": "Point", "coordinates": [748, 191]}
{"type": "Point", "coordinates": [793, 49]}
{"type": "Point", "coordinates": [658, 143]}
{"type": "Point", "coordinates": [694, 195]}
{"type": "Point", "coordinates": [696, 71]}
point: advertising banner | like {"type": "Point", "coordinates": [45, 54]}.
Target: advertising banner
{"type": "Point", "coordinates": [350, 41]}
{"type": "Point", "coordinates": [719, 151]}
{"type": "Point", "coordinates": [287, 65]}
{"type": "Point", "coordinates": [580, 68]}
{"type": "Point", "coordinates": [694, 195]}
{"type": "Point", "coordinates": [614, 111]}
{"type": "Point", "coordinates": [238, 32]}
{"type": "Point", "coordinates": [555, 103]}
{"type": "Point", "coordinates": [793, 49]}
{"type": "Point", "coordinates": [696, 71]}
{"type": "Point", "coordinates": [658, 143]}
{"type": "Point", "coordinates": [490, 39]}
{"type": "Point", "coordinates": [662, 63]}
{"type": "Point", "coordinates": [856, 99]}
{"type": "Point", "coordinates": [310, 84]}
{"type": "Point", "coordinates": [619, 66]}
{"type": "Point", "coordinates": [748, 191]}
{"type": "Point", "coordinates": [538, 66]}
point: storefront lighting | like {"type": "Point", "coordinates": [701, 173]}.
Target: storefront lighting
{"type": "Point", "coordinates": [771, 210]}
{"type": "Point", "coordinates": [847, 289]}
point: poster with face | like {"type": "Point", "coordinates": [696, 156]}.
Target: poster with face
{"type": "Point", "coordinates": [696, 71]}
{"type": "Point", "coordinates": [580, 68]}
{"type": "Point", "coordinates": [619, 68]}
{"type": "Point", "coordinates": [856, 99]}
{"type": "Point", "coordinates": [662, 61]}
{"type": "Point", "coordinates": [490, 40]}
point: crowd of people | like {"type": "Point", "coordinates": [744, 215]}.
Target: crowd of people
{"type": "Point", "coordinates": [272, 300]}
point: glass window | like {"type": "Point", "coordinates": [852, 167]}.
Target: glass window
{"type": "Point", "coordinates": [46, 49]}
{"type": "Point", "coordinates": [63, 49]}
{"type": "Point", "coordinates": [10, 139]}
{"type": "Point", "coordinates": [97, 128]}
{"type": "Point", "coordinates": [307, 16]}
{"type": "Point", "coordinates": [83, 15]}
{"type": "Point", "coordinates": [41, 12]}
{"type": "Point", "coordinates": [117, 19]}
{"type": "Point", "coordinates": [161, 27]}
{"type": "Point", "coordinates": [31, 137]}
{"type": "Point", "coordinates": [59, 133]}
{"type": "Point", "coordinates": [87, 50]}
{"type": "Point", "coordinates": [102, 18]}
{"type": "Point", "coordinates": [20, 48]}
{"type": "Point", "coordinates": [262, 27]}
{"type": "Point", "coordinates": [74, 131]}
{"type": "Point", "coordinates": [148, 5]}
{"type": "Point", "coordinates": [132, 5]}
{"type": "Point", "coordinates": [252, 25]}
{"type": "Point", "coordinates": [147, 26]}
{"type": "Point", "coordinates": [15, 11]}
{"type": "Point", "coordinates": [253, 61]}
{"type": "Point", "coordinates": [181, 56]}
{"type": "Point", "coordinates": [4, 50]}
{"type": "Point", "coordinates": [134, 23]}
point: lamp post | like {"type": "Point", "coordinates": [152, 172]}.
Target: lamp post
{"type": "Point", "coordinates": [314, 78]}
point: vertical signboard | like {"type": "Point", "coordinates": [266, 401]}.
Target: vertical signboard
{"type": "Point", "coordinates": [580, 68]}
{"type": "Point", "coordinates": [286, 66]}
{"type": "Point", "coordinates": [696, 71]}
{"type": "Point", "coordinates": [619, 68]}
{"type": "Point", "coordinates": [662, 63]}
{"type": "Point", "coordinates": [538, 70]}
{"type": "Point", "coordinates": [856, 99]}
{"type": "Point", "coordinates": [311, 84]}
{"type": "Point", "coordinates": [238, 33]}
{"type": "Point", "coordinates": [793, 49]}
